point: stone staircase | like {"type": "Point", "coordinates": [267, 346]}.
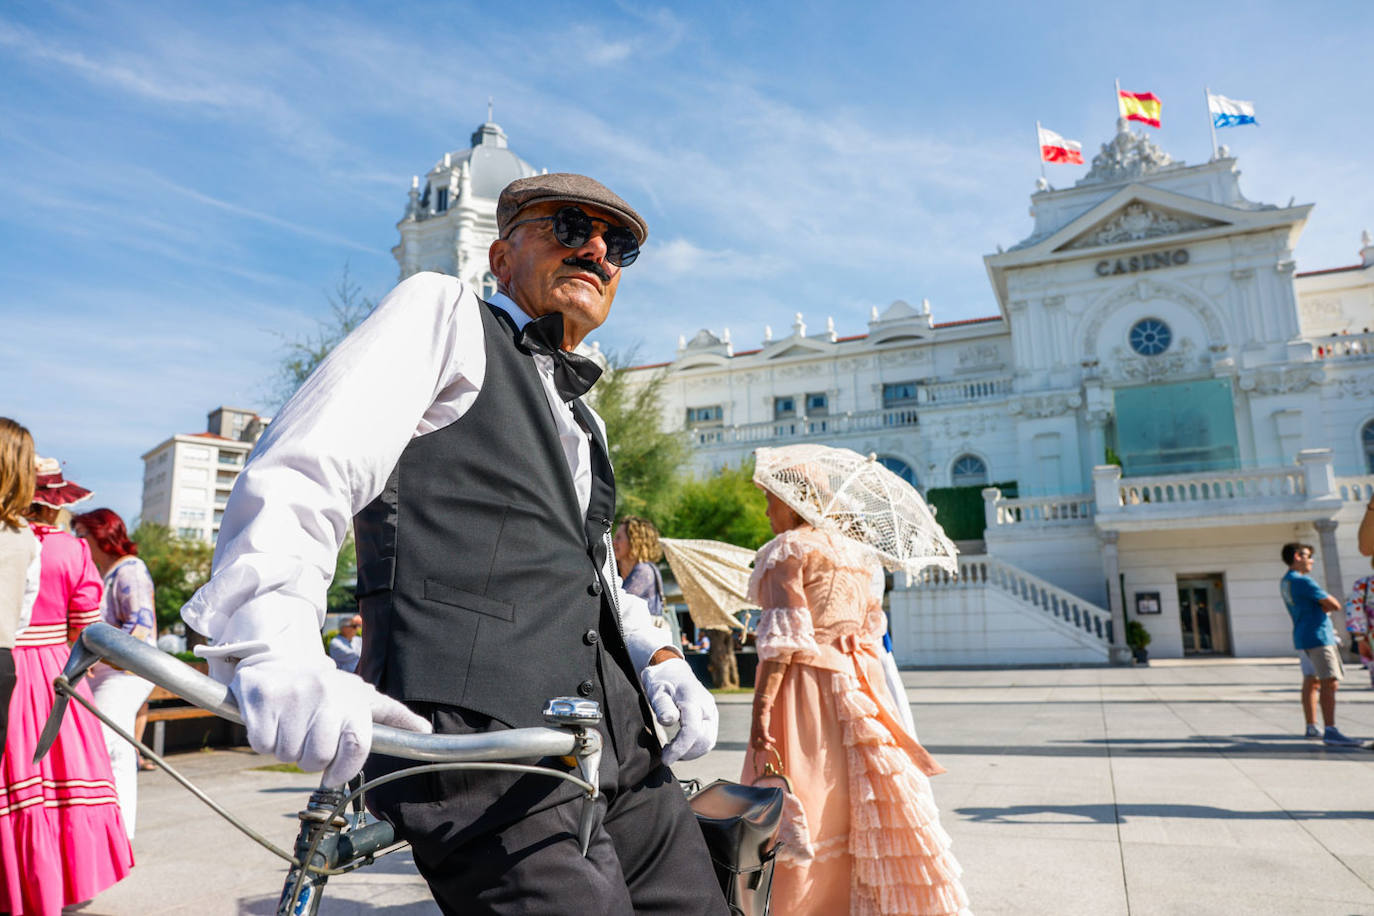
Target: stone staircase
{"type": "Point", "coordinates": [994, 613]}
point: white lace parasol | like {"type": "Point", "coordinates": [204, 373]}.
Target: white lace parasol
{"type": "Point", "coordinates": [840, 490]}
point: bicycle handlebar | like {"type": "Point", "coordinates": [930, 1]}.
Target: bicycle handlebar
{"type": "Point", "coordinates": [102, 641]}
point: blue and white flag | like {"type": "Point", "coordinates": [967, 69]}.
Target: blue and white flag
{"type": "Point", "coordinates": [1230, 113]}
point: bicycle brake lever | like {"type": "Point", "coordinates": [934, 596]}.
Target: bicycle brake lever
{"type": "Point", "coordinates": [78, 663]}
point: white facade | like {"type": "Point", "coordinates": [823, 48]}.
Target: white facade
{"type": "Point", "coordinates": [1161, 385]}
{"type": "Point", "coordinates": [450, 219]}
{"type": "Point", "coordinates": [187, 478]}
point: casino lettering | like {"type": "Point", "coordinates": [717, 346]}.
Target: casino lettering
{"type": "Point", "coordinates": [1136, 263]}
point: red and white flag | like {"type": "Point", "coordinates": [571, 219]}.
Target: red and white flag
{"type": "Point", "coordinates": [1054, 148]}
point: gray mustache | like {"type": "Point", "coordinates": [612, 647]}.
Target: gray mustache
{"type": "Point", "coordinates": [590, 267]}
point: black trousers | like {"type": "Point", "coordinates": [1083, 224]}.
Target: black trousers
{"type": "Point", "coordinates": [507, 843]}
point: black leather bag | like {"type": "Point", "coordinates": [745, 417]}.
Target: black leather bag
{"type": "Point", "coordinates": [740, 824]}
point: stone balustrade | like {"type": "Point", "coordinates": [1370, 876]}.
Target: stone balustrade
{"type": "Point", "coordinates": [1356, 489]}
{"type": "Point", "coordinates": [966, 390]}
{"type": "Point", "coordinates": [988, 572]}
{"type": "Point", "coordinates": [1041, 510]}
{"type": "Point", "coordinates": [1344, 346]}
{"type": "Point", "coordinates": [801, 428]}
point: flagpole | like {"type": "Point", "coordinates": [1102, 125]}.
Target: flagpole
{"type": "Point", "coordinates": [1118, 99]}
{"type": "Point", "coordinates": [1211, 122]}
{"type": "Point", "coordinates": [1040, 153]}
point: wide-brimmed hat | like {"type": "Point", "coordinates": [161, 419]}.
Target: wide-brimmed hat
{"type": "Point", "coordinates": [51, 489]}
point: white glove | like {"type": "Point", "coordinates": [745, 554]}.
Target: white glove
{"type": "Point", "coordinates": [307, 712]}
{"type": "Point", "coordinates": [677, 697]}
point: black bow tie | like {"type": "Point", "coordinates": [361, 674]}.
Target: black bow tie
{"type": "Point", "coordinates": [573, 375]}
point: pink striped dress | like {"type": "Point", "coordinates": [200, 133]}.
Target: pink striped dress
{"type": "Point", "coordinates": [62, 838]}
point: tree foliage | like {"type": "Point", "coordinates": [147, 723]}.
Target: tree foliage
{"type": "Point", "coordinates": [726, 507]}
{"type": "Point", "coordinates": [348, 307]}
{"type": "Point", "coordinates": [340, 598]}
{"type": "Point", "coordinates": [647, 459]}
{"type": "Point", "coordinates": [178, 566]}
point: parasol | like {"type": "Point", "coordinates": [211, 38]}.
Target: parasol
{"type": "Point", "coordinates": [714, 578]}
{"type": "Point", "coordinates": [839, 490]}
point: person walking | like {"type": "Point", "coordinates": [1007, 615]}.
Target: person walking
{"type": "Point", "coordinates": [637, 552]}
{"type": "Point", "coordinates": [1310, 608]}
{"type": "Point", "coordinates": [867, 838]}
{"type": "Point", "coordinates": [19, 562]}
{"type": "Point", "coordinates": [1359, 619]}
{"type": "Point", "coordinates": [62, 838]}
{"type": "Point", "coordinates": [452, 430]}
{"type": "Point", "coordinates": [127, 604]}
{"type": "Point", "coordinates": [346, 648]}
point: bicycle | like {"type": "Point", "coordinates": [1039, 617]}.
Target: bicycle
{"type": "Point", "coordinates": [331, 842]}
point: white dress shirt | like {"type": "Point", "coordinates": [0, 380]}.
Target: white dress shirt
{"type": "Point", "coordinates": [415, 365]}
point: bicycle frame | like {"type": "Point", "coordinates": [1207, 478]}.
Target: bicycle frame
{"type": "Point", "coordinates": [324, 846]}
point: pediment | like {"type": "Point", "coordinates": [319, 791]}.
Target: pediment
{"type": "Point", "coordinates": [1138, 221]}
{"type": "Point", "coordinates": [794, 348]}
{"type": "Point", "coordinates": [899, 310]}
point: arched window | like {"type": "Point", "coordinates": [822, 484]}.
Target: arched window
{"type": "Point", "coordinates": [1367, 440]}
{"type": "Point", "coordinates": [969, 471]}
{"type": "Point", "coordinates": [900, 468]}
{"type": "Point", "coordinates": [488, 286]}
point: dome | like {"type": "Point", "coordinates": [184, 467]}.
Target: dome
{"type": "Point", "coordinates": [491, 164]}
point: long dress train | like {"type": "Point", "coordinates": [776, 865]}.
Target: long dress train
{"type": "Point", "coordinates": [871, 840]}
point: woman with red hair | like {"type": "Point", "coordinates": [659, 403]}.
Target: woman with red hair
{"type": "Point", "coordinates": [128, 604]}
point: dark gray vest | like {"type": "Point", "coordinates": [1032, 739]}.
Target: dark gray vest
{"type": "Point", "coordinates": [479, 580]}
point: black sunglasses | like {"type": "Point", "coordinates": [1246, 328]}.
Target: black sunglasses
{"type": "Point", "coordinates": [572, 228]}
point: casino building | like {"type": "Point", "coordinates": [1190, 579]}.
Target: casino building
{"type": "Point", "coordinates": [1160, 401]}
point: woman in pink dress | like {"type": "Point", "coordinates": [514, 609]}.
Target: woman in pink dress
{"type": "Point", "coordinates": [868, 838]}
{"type": "Point", "coordinates": [62, 839]}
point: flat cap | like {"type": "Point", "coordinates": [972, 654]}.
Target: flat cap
{"type": "Point", "coordinates": [564, 187]}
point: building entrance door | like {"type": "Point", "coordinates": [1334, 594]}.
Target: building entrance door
{"type": "Point", "coordinates": [1203, 616]}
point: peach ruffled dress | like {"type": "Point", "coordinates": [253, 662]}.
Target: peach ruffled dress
{"type": "Point", "coordinates": [870, 840]}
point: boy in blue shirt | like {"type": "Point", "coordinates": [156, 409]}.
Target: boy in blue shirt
{"type": "Point", "coordinates": [1315, 639]}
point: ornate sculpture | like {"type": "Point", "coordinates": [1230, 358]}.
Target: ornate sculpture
{"type": "Point", "coordinates": [1127, 155]}
{"type": "Point", "coordinates": [1138, 221]}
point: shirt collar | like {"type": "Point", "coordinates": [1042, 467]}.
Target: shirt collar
{"type": "Point", "coordinates": [507, 304]}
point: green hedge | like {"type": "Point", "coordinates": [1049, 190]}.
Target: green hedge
{"type": "Point", "coordinates": [959, 510]}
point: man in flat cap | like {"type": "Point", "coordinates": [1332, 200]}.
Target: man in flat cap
{"type": "Point", "coordinates": [452, 433]}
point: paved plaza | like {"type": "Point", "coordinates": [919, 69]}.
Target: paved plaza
{"type": "Point", "coordinates": [1185, 788]}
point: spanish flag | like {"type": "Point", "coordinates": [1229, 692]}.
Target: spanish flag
{"type": "Point", "coordinates": [1139, 106]}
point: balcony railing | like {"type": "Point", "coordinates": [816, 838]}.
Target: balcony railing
{"type": "Point", "coordinates": [804, 427]}
{"type": "Point", "coordinates": [1304, 489]}
{"type": "Point", "coordinates": [1307, 486]}
{"type": "Point", "coordinates": [1344, 346]}
{"type": "Point", "coordinates": [1258, 484]}
{"type": "Point", "coordinates": [1356, 489]}
{"type": "Point", "coordinates": [1038, 510]}
{"type": "Point", "coordinates": [961, 391]}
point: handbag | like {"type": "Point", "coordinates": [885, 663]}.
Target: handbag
{"type": "Point", "coordinates": [794, 834]}
{"type": "Point", "coordinates": [740, 825]}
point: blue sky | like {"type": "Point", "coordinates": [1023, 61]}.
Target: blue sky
{"type": "Point", "coordinates": [180, 184]}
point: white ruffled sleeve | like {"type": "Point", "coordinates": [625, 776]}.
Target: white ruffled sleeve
{"type": "Point", "coordinates": [785, 632]}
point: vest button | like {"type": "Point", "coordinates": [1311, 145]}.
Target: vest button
{"type": "Point", "coordinates": [584, 689]}
{"type": "Point", "coordinates": [591, 637]}
{"type": "Point", "coordinates": [595, 588]}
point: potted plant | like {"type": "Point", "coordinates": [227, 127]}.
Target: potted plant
{"type": "Point", "coordinates": [1137, 637]}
